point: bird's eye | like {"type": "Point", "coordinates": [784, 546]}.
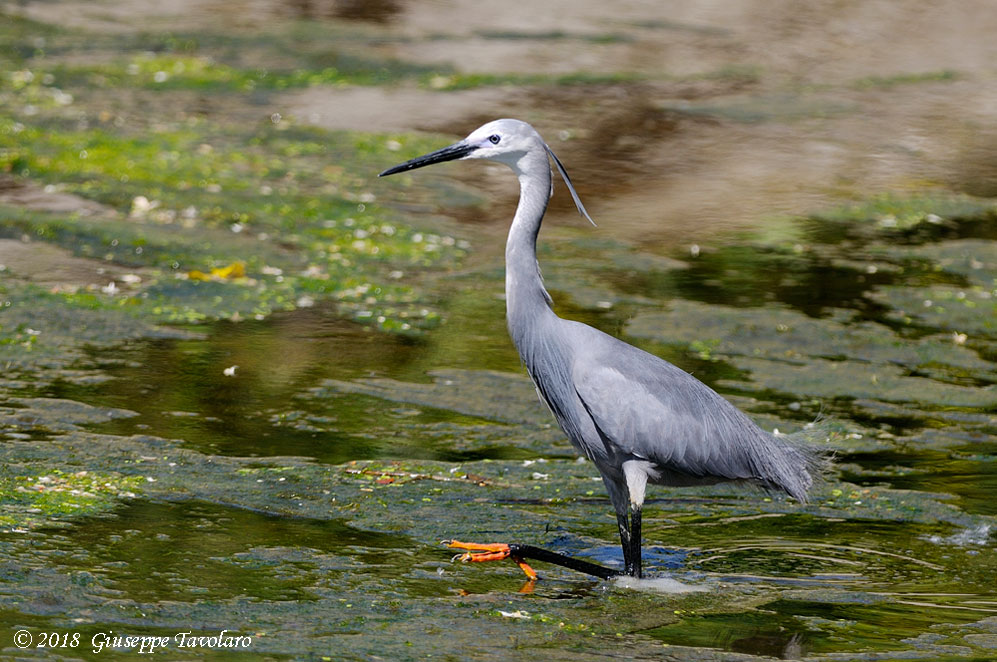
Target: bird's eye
{"type": "Point", "coordinates": [494, 139]}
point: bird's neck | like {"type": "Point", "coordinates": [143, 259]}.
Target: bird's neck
{"type": "Point", "coordinates": [527, 302]}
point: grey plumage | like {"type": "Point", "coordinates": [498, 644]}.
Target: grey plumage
{"type": "Point", "coordinates": [637, 417]}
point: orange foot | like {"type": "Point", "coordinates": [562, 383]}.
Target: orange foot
{"type": "Point", "coordinates": [478, 553]}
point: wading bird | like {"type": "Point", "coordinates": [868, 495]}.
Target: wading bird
{"type": "Point", "coordinates": [638, 418]}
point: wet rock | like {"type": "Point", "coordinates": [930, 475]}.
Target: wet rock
{"type": "Point", "coordinates": [57, 414]}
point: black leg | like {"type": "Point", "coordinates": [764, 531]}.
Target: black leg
{"type": "Point", "coordinates": [635, 543]}
{"type": "Point", "coordinates": [630, 540]}
{"type": "Point", "coordinates": [625, 542]}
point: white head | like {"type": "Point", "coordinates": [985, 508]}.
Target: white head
{"type": "Point", "coordinates": [507, 141]}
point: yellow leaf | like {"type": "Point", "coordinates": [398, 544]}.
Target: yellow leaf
{"type": "Point", "coordinates": [234, 270]}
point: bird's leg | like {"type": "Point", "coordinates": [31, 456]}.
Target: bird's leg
{"type": "Point", "coordinates": [624, 524]}
{"type": "Point", "coordinates": [478, 553]}
{"type": "Point", "coordinates": [634, 567]}
{"type": "Point", "coordinates": [635, 473]}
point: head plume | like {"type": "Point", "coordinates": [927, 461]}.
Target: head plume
{"type": "Point", "coordinates": [567, 181]}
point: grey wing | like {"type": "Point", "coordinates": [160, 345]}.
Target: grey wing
{"type": "Point", "coordinates": [648, 408]}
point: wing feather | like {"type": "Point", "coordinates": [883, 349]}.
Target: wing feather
{"type": "Point", "coordinates": [648, 408]}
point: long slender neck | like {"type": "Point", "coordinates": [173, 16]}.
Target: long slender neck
{"type": "Point", "coordinates": [526, 300]}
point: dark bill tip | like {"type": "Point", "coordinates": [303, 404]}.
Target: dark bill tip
{"type": "Point", "coordinates": [455, 151]}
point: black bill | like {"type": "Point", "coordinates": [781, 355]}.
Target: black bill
{"type": "Point", "coordinates": [455, 151]}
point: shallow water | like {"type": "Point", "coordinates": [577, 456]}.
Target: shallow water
{"type": "Point", "coordinates": [289, 478]}
{"type": "Point", "coordinates": [894, 556]}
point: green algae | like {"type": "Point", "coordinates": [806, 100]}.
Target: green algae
{"type": "Point", "coordinates": [976, 259]}
{"type": "Point", "coordinates": [198, 72]}
{"type": "Point", "coordinates": [777, 333]}
{"type": "Point", "coordinates": [380, 573]}
{"type": "Point", "coordinates": [297, 249]}
{"type": "Point", "coordinates": [267, 195]}
{"type": "Point", "coordinates": [509, 398]}
{"type": "Point", "coordinates": [367, 556]}
{"type": "Point", "coordinates": [899, 215]}
{"type": "Point", "coordinates": [194, 72]}
{"type": "Point", "coordinates": [54, 415]}
{"type": "Point", "coordinates": [301, 496]}
{"type": "Point", "coordinates": [887, 82]}
{"type": "Point", "coordinates": [787, 352]}
{"type": "Point", "coordinates": [963, 312]}
{"type": "Point", "coordinates": [212, 63]}
{"type": "Point", "coordinates": [463, 81]}
{"type": "Point", "coordinates": [32, 500]}
{"type": "Point", "coordinates": [42, 337]}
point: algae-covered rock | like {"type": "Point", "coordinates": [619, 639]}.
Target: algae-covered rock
{"type": "Point", "coordinates": [968, 313]}
{"type": "Point", "coordinates": [785, 351]}
{"type": "Point", "coordinates": [505, 397]}
{"type": "Point", "coordinates": [778, 333]}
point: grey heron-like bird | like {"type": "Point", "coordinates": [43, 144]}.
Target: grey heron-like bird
{"type": "Point", "coordinates": [639, 418]}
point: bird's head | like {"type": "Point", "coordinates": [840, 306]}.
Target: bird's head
{"type": "Point", "coordinates": [503, 140]}
{"type": "Point", "coordinates": [507, 141]}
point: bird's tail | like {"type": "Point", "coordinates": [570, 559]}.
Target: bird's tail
{"type": "Point", "coordinates": [801, 461]}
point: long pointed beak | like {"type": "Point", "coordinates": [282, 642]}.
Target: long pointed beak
{"type": "Point", "coordinates": [456, 151]}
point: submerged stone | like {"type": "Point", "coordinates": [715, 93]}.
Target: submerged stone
{"type": "Point", "coordinates": [785, 351]}
{"type": "Point", "coordinates": [56, 414]}
{"type": "Point", "coordinates": [976, 259]}
{"type": "Point", "coordinates": [497, 396]}
{"type": "Point", "coordinates": [968, 311]}
{"type": "Point", "coordinates": [842, 379]}
{"type": "Point", "coordinates": [782, 334]}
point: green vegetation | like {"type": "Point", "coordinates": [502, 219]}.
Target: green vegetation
{"type": "Point", "coordinates": [899, 212]}
{"type": "Point", "coordinates": [226, 221]}
{"type": "Point", "coordinates": [172, 71]}
{"type": "Point", "coordinates": [887, 82]}
{"type": "Point", "coordinates": [298, 473]}
{"type": "Point", "coordinates": [35, 499]}
{"type": "Point", "coordinates": [457, 81]}
{"type": "Point", "coordinates": [556, 35]}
